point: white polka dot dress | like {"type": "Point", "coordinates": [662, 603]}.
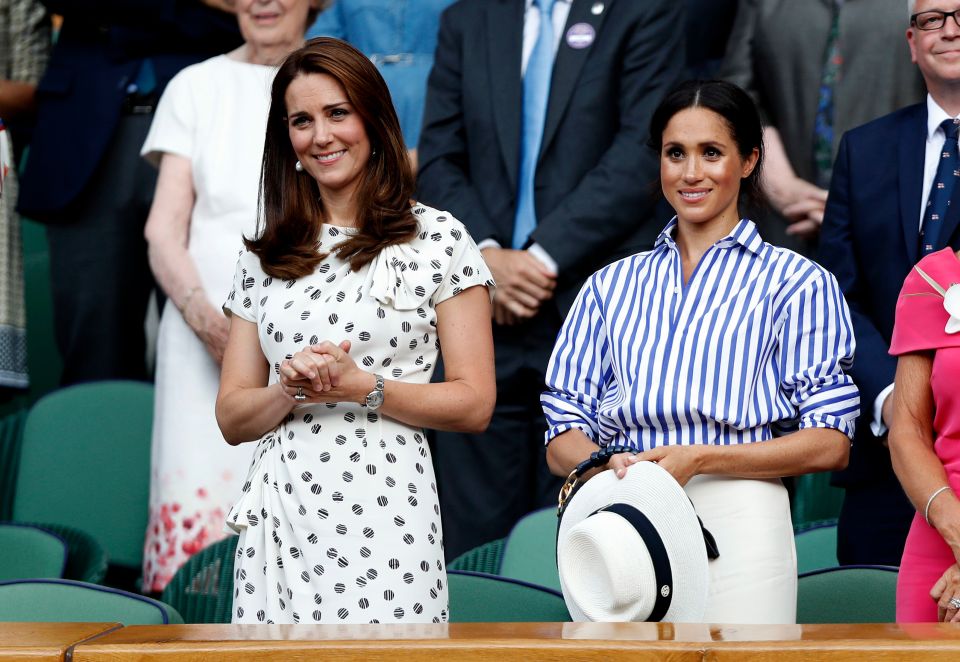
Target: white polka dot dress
{"type": "Point", "coordinates": [339, 520]}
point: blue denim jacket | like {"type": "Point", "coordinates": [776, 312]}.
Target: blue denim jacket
{"type": "Point", "coordinates": [400, 37]}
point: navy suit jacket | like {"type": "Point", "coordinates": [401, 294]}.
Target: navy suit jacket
{"type": "Point", "coordinates": [98, 54]}
{"type": "Point", "coordinates": [870, 241]}
{"type": "Point", "coordinates": [595, 173]}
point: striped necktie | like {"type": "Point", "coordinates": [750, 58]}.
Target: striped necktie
{"type": "Point", "coordinates": [536, 91]}
{"type": "Point", "coordinates": [823, 120]}
{"type": "Point", "coordinates": [948, 170]}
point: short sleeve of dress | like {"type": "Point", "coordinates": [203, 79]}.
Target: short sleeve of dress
{"type": "Point", "coordinates": [921, 319]}
{"type": "Point", "coordinates": [174, 124]}
{"type": "Point", "coordinates": [243, 300]}
{"type": "Point", "coordinates": [466, 267]}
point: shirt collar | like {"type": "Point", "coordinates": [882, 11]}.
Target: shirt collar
{"type": "Point", "coordinates": [743, 234]}
{"type": "Point", "coordinates": [935, 117]}
{"type": "Point", "coordinates": [529, 3]}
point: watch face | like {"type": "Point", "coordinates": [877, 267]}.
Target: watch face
{"type": "Point", "coordinates": [374, 399]}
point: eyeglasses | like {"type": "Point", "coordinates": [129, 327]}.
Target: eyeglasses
{"type": "Point", "coordinates": [933, 20]}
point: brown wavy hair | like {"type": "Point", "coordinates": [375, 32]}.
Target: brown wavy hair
{"type": "Point", "coordinates": [290, 211]}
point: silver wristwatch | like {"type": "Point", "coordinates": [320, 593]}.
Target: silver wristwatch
{"type": "Point", "coordinates": [375, 397]}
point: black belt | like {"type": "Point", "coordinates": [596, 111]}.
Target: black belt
{"type": "Point", "coordinates": [139, 104]}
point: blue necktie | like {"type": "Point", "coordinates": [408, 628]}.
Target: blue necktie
{"type": "Point", "coordinates": [146, 80]}
{"type": "Point", "coordinates": [536, 91]}
{"type": "Point", "coordinates": [948, 170]}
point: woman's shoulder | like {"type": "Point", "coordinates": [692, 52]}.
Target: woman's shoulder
{"type": "Point", "coordinates": [212, 78]}
{"type": "Point", "coordinates": [614, 274]}
{"type": "Point", "coordinates": [936, 270]}
{"type": "Point", "coordinates": [249, 262]}
{"type": "Point", "coordinates": [435, 220]}
{"type": "Point", "coordinates": [794, 268]}
{"type": "Point", "coordinates": [199, 73]}
{"type": "Point", "coordinates": [928, 309]}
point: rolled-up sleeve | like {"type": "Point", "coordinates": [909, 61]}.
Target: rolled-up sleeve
{"type": "Point", "coordinates": [579, 369]}
{"type": "Point", "coordinates": [816, 346]}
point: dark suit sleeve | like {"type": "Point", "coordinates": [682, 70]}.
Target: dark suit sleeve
{"type": "Point", "coordinates": [444, 178]}
{"type": "Point", "coordinates": [738, 62]}
{"type": "Point", "coordinates": [179, 18]}
{"type": "Point", "coordinates": [612, 199]}
{"type": "Point", "coordinates": [873, 367]}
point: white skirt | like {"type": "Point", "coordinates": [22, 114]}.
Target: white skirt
{"type": "Point", "coordinates": [755, 578]}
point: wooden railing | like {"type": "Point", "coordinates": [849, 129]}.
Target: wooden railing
{"type": "Point", "coordinates": [479, 642]}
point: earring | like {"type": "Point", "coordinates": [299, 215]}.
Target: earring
{"type": "Point", "coordinates": [298, 167]}
{"type": "Point", "coordinates": [373, 152]}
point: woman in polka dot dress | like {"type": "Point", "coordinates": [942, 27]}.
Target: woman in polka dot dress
{"type": "Point", "coordinates": [340, 306]}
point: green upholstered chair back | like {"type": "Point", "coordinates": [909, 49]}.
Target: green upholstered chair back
{"type": "Point", "coordinates": [85, 463]}
{"type": "Point", "coordinates": [86, 558]}
{"type": "Point", "coordinates": [202, 589]}
{"type": "Point", "coordinates": [481, 598]}
{"type": "Point", "coordinates": [848, 594]}
{"type": "Point", "coordinates": [11, 438]}
{"type": "Point", "coordinates": [65, 601]}
{"type": "Point", "coordinates": [817, 547]}
{"type": "Point", "coordinates": [530, 553]}
{"type": "Point", "coordinates": [28, 552]}
{"type": "Point", "coordinates": [482, 558]}
{"type": "Point", "coordinates": [815, 499]}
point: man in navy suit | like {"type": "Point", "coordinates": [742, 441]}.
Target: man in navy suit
{"type": "Point", "coordinates": [870, 240]}
{"type": "Point", "coordinates": [612, 63]}
{"type": "Point", "coordinates": [84, 177]}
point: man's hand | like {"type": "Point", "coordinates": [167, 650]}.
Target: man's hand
{"type": "Point", "coordinates": [523, 284]}
{"type": "Point", "coordinates": [805, 212]}
{"type": "Point", "coordinates": [801, 202]}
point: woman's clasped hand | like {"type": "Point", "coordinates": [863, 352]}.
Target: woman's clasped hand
{"type": "Point", "coordinates": [325, 372]}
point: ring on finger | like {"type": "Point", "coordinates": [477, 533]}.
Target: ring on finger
{"type": "Point", "coordinates": [299, 396]}
{"type": "Point", "coordinates": [955, 603]}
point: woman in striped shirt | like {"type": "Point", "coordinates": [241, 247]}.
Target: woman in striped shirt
{"type": "Point", "coordinates": [712, 341]}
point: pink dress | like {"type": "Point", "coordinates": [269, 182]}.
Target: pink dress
{"type": "Point", "coordinates": [919, 327]}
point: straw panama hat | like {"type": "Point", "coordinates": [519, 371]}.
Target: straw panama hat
{"type": "Point", "coordinates": [618, 566]}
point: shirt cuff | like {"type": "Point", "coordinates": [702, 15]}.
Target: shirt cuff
{"type": "Point", "coordinates": [877, 426]}
{"type": "Point", "coordinates": [488, 243]}
{"type": "Point", "coordinates": [537, 251]}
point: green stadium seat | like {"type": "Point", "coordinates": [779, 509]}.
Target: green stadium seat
{"type": "Point", "coordinates": [28, 552]}
{"type": "Point", "coordinates": [86, 558]}
{"type": "Point", "coordinates": [848, 594]}
{"type": "Point", "coordinates": [85, 464]}
{"type": "Point", "coordinates": [530, 552]}
{"type": "Point", "coordinates": [481, 598]}
{"type": "Point", "coordinates": [11, 439]}
{"type": "Point", "coordinates": [65, 601]}
{"type": "Point", "coordinates": [202, 589]}
{"type": "Point", "coordinates": [815, 499]}
{"type": "Point", "coordinates": [483, 558]}
{"type": "Point", "coordinates": [816, 546]}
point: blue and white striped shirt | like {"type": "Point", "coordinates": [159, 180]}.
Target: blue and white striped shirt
{"type": "Point", "coordinates": [754, 345]}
